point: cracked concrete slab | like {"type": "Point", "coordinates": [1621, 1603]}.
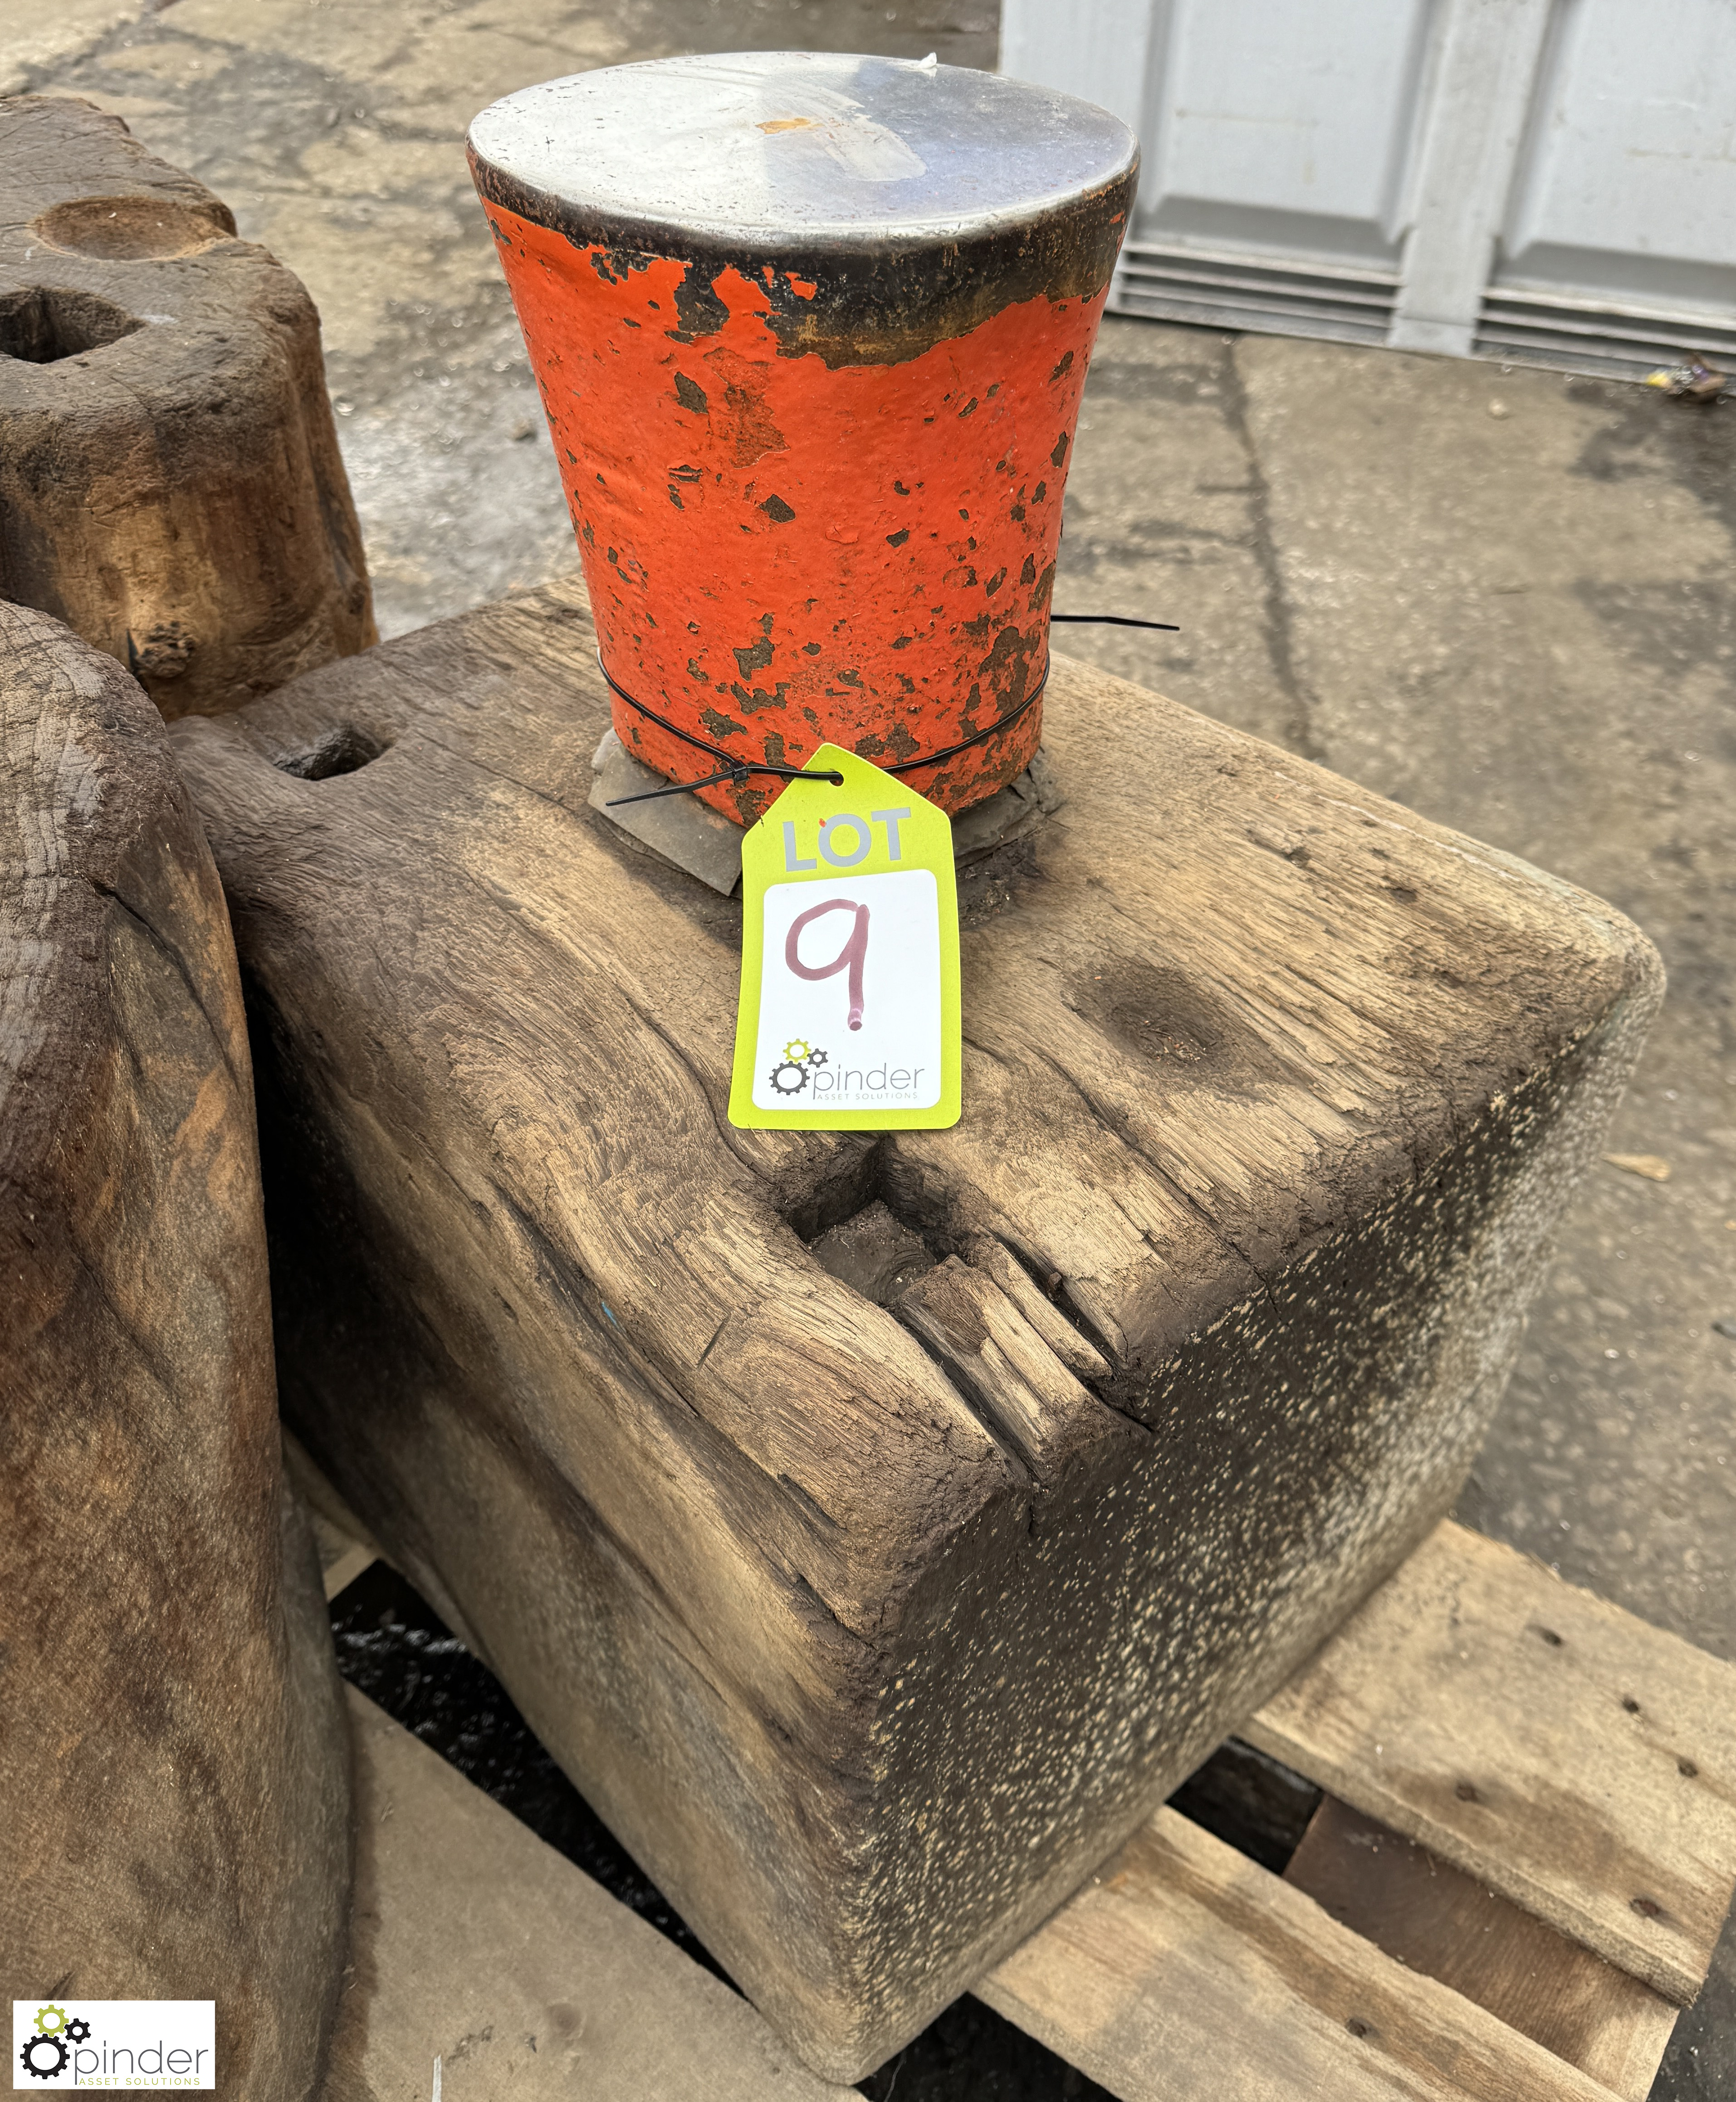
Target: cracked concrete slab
{"type": "Point", "coordinates": [42, 38]}
{"type": "Point", "coordinates": [1521, 624]}
{"type": "Point", "coordinates": [1503, 597]}
{"type": "Point", "coordinates": [1167, 517]}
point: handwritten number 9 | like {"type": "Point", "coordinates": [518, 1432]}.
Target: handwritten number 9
{"type": "Point", "coordinates": [852, 953]}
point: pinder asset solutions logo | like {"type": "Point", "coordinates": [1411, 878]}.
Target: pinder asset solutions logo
{"type": "Point", "coordinates": [800, 1061]}
{"type": "Point", "coordinates": [129, 2044]}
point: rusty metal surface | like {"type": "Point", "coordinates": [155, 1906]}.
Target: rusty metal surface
{"type": "Point", "coordinates": [814, 435]}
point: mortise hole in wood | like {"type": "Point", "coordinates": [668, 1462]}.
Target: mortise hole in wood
{"type": "Point", "coordinates": [1467, 1792]}
{"type": "Point", "coordinates": [1357, 2026]}
{"type": "Point", "coordinates": [161, 653]}
{"type": "Point", "coordinates": [1647, 1908]}
{"type": "Point", "coordinates": [872, 1252]}
{"type": "Point", "coordinates": [1550, 1637]}
{"type": "Point", "coordinates": [1630, 1703]}
{"type": "Point", "coordinates": [1687, 1769]}
{"type": "Point", "coordinates": [851, 1182]}
{"type": "Point", "coordinates": [344, 750]}
{"type": "Point", "coordinates": [133, 228]}
{"type": "Point", "coordinates": [43, 324]}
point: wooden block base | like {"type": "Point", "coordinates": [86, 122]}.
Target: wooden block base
{"type": "Point", "coordinates": [868, 1627]}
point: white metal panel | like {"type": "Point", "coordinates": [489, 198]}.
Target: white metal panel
{"type": "Point", "coordinates": [1627, 186]}
{"type": "Point", "coordinates": [1475, 119]}
{"type": "Point", "coordinates": [1550, 180]}
{"type": "Point", "coordinates": [1285, 126]}
{"type": "Point", "coordinates": [1099, 49]}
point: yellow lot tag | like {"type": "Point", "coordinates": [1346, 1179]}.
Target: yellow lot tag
{"type": "Point", "coordinates": [849, 1014]}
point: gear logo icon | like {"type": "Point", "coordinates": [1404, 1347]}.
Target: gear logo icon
{"type": "Point", "coordinates": [44, 2057]}
{"type": "Point", "coordinates": [800, 1062]}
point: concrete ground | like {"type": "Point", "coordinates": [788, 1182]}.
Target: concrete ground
{"type": "Point", "coordinates": [1502, 596]}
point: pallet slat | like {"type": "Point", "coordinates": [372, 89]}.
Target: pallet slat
{"type": "Point", "coordinates": [343, 1543]}
{"type": "Point", "coordinates": [1560, 1751]}
{"type": "Point", "coordinates": [1436, 1919]}
{"type": "Point", "coordinates": [341, 1559]}
{"type": "Point", "coordinates": [1186, 1973]}
{"type": "Point", "coordinates": [473, 1942]}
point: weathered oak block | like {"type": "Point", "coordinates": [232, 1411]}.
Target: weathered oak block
{"type": "Point", "coordinates": [170, 479]}
{"type": "Point", "coordinates": [872, 1628]}
{"type": "Point", "coordinates": [174, 1759]}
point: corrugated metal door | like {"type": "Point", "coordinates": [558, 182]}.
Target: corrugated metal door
{"type": "Point", "coordinates": [1548, 180]}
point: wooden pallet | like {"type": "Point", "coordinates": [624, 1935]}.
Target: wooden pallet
{"type": "Point", "coordinates": [1568, 1770]}
{"type": "Point", "coordinates": [1514, 1879]}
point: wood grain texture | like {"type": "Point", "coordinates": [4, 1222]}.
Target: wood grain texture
{"type": "Point", "coordinates": [1273, 1093]}
{"type": "Point", "coordinates": [1002, 1361]}
{"type": "Point", "coordinates": [170, 479]}
{"type": "Point", "coordinates": [173, 1756]}
{"type": "Point", "coordinates": [1434, 1919]}
{"type": "Point", "coordinates": [1184, 1973]}
{"type": "Point", "coordinates": [475, 1943]}
{"type": "Point", "coordinates": [1555, 1748]}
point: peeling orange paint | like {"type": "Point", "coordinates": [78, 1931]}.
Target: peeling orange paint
{"type": "Point", "coordinates": [782, 552]}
